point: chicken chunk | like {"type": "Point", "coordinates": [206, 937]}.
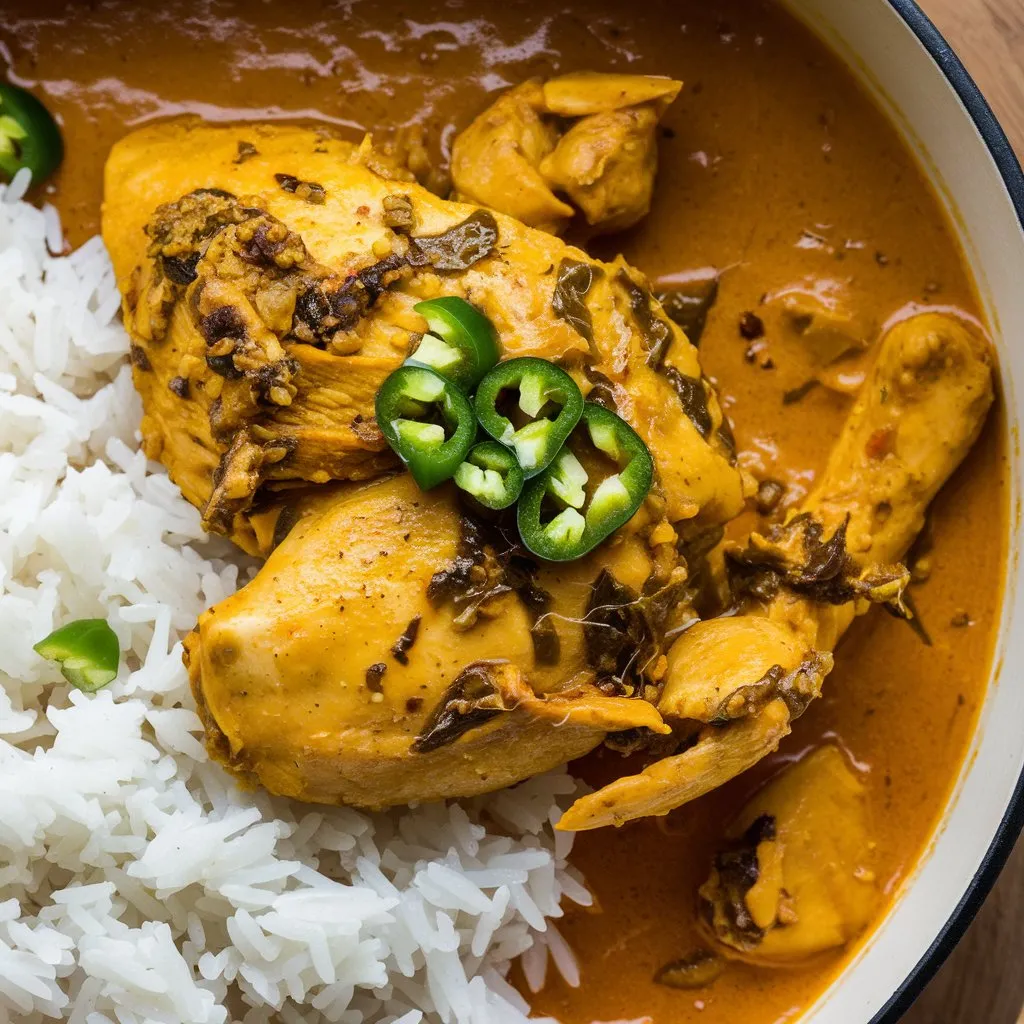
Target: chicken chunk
{"type": "Point", "coordinates": [795, 878]}
{"type": "Point", "coordinates": [522, 152]}
{"type": "Point", "coordinates": [269, 275]}
{"type": "Point", "coordinates": [606, 164]}
{"type": "Point", "coordinates": [496, 160]}
{"type": "Point", "coordinates": [747, 676]}
{"type": "Point", "coordinates": [388, 653]}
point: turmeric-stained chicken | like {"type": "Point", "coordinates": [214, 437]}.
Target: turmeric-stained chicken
{"type": "Point", "coordinates": [400, 646]}
{"type": "Point", "coordinates": [269, 276]}
{"type": "Point", "coordinates": [585, 137]}
{"type": "Point", "coordinates": [735, 684]}
{"type": "Point", "coordinates": [795, 878]}
{"type": "Point", "coordinates": [392, 649]}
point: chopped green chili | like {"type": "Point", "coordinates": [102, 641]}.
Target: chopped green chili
{"type": "Point", "coordinates": [428, 422]}
{"type": "Point", "coordinates": [491, 475]}
{"type": "Point", "coordinates": [29, 136]}
{"type": "Point", "coordinates": [559, 519]}
{"type": "Point", "coordinates": [87, 652]}
{"type": "Point", "coordinates": [461, 345]}
{"type": "Point", "coordinates": [543, 389]}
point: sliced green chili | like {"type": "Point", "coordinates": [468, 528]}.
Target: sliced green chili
{"type": "Point", "coordinates": [29, 136]}
{"type": "Point", "coordinates": [531, 432]}
{"type": "Point", "coordinates": [559, 518]}
{"type": "Point", "coordinates": [491, 474]}
{"type": "Point", "coordinates": [87, 652]}
{"type": "Point", "coordinates": [428, 421]}
{"type": "Point", "coordinates": [461, 344]}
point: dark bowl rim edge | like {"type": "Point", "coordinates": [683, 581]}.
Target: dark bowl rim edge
{"type": "Point", "coordinates": [1012, 821]}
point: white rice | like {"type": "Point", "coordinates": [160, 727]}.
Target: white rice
{"type": "Point", "coordinates": [137, 884]}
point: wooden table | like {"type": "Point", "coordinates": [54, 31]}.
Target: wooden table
{"type": "Point", "coordinates": [983, 980]}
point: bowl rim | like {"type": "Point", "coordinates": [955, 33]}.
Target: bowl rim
{"type": "Point", "coordinates": [1012, 822]}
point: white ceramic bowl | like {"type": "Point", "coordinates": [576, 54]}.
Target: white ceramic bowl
{"type": "Point", "coordinates": [928, 94]}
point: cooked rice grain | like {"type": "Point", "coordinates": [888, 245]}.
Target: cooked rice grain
{"type": "Point", "coordinates": [137, 883]}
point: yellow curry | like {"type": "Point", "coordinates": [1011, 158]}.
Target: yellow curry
{"type": "Point", "coordinates": [774, 302]}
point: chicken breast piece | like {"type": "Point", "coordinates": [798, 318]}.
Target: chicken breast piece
{"type": "Point", "coordinates": [749, 675]}
{"type": "Point", "coordinates": [269, 275]}
{"type": "Point", "coordinates": [386, 654]}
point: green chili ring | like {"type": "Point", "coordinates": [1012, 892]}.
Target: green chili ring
{"type": "Point", "coordinates": [539, 382]}
{"type": "Point", "coordinates": [491, 475]}
{"type": "Point", "coordinates": [460, 345]}
{"type": "Point", "coordinates": [428, 422]}
{"type": "Point", "coordinates": [86, 650]}
{"type": "Point", "coordinates": [584, 521]}
{"type": "Point", "coordinates": [29, 136]}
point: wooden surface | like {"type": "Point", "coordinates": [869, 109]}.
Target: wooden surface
{"type": "Point", "coordinates": [983, 980]}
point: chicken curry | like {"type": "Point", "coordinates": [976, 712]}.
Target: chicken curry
{"type": "Point", "coordinates": [702, 222]}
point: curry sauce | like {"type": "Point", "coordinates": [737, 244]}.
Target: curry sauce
{"type": "Point", "coordinates": [777, 171]}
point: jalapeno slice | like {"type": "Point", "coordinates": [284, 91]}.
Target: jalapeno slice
{"type": "Point", "coordinates": [29, 136]}
{"type": "Point", "coordinates": [428, 422]}
{"type": "Point", "coordinates": [491, 475]}
{"type": "Point", "coordinates": [461, 344]}
{"type": "Point", "coordinates": [560, 517]}
{"type": "Point", "coordinates": [548, 408]}
{"type": "Point", "coordinates": [87, 652]}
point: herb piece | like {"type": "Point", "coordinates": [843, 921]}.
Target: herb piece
{"type": "Point", "coordinates": [797, 689]}
{"type": "Point", "coordinates": [548, 408]}
{"type": "Point", "coordinates": [86, 650]}
{"type": "Point", "coordinates": [478, 573]}
{"type": "Point", "coordinates": [461, 345]}
{"type": "Point", "coordinates": [796, 556]}
{"type": "Point", "coordinates": [547, 648]}
{"type": "Point", "coordinates": [698, 970]}
{"type": "Point", "coordinates": [474, 698]}
{"type": "Point", "coordinates": [459, 247]}
{"type": "Point", "coordinates": [751, 326]}
{"type": "Point", "coordinates": [603, 391]}
{"type": "Point", "coordinates": [569, 299]}
{"type": "Point", "coordinates": [489, 564]}
{"type": "Point", "coordinates": [692, 397]}
{"type": "Point", "coordinates": [735, 872]}
{"type": "Point", "coordinates": [286, 520]}
{"type": "Point", "coordinates": [794, 395]}
{"type": "Point", "coordinates": [689, 302]}
{"type": "Point", "coordinates": [401, 647]}
{"type": "Point", "coordinates": [727, 439]}
{"type": "Point", "coordinates": [623, 631]}
{"type": "Point", "coordinates": [906, 610]}
{"type": "Point", "coordinates": [428, 422]}
{"type": "Point", "coordinates": [559, 519]}
{"type": "Point", "coordinates": [374, 675]}
{"type": "Point", "coordinates": [309, 191]}
{"type": "Point", "coordinates": [397, 213]}
{"type": "Point", "coordinates": [246, 151]}
{"type": "Point", "coordinates": [657, 334]}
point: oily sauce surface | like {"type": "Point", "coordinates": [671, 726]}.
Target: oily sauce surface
{"type": "Point", "coordinates": [776, 170]}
